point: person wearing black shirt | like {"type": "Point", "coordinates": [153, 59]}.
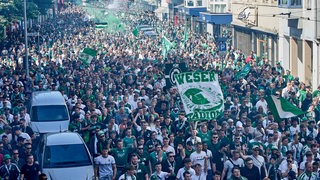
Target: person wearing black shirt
{"type": "Point", "coordinates": [170, 164]}
{"type": "Point", "coordinates": [219, 158]}
{"type": "Point", "coordinates": [272, 168]}
{"type": "Point", "coordinates": [181, 123]}
{"type": "Point", "coordinates": [31, 170]}
{"type": "Point", "coordinates": [250, 171]}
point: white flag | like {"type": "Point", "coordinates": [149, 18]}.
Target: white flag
{"type": "Point", "coordinates": [201, 95]}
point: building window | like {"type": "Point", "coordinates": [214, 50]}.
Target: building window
{"type": "Point", "coordinates": [290, 3]}
{"type": "Point", "coordinates": [283, 2]}
{"type": "Point", "coordinates": [190, 3]}
{"type": "Point", "coordinates": [218, 8]}
{"type": "Point", "coordinates": [296, 3]}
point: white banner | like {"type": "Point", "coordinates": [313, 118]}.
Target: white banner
{"type": "Point", "coordinates": [201, 95]}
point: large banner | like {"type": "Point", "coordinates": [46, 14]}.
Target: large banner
{"type": "Point", "coordinates": [171, 70]}
{"type": "Point", "coordinates": [201, 95]}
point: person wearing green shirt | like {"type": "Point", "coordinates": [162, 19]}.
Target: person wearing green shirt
{"type": "Point", "coordinates": [157, 156]}
{"type": "Point", "coordinates": [141, 171]}
{"type": "Point", "coordinates": [204, 134]}
{"type": "Point", "coordinates": [180, 138]}
{"type": "Point", "coordinates": [129, 140]}
{"type": "Point", "coordinates": [120, 154]}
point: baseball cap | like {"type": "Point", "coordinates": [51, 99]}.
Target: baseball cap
{"type": "Point", "coordinates": [6, 156]}
{"type": "Point", "coordinates": [100, 133]}
{"type": "Point", "coordinates": [255, 146]}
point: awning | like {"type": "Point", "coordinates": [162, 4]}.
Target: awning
{"type": "Point", "coordinates": [216, 18]}
{"type": "Point", "coordinates": [194, 11]}
{"type": "Point", "coordinates": [254, 28]}
{"type": "Point", "coordinates": [179, 6]}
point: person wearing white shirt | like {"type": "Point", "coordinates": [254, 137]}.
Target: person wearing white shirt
{"type": "Point", "coordinates": [200, 175]}
{"type": "Point", "coordinates": [187, 167]}
{"type": "Point", "coordinates": [159, 174]}
{"type": "Point", "coordinates": [129, 174]}
{"type": "Point", "coordinates": [106, 166]}
{"type": "Point", "coordinates": [288, 169]}
{"type": "Point", "coordinates": [23, 114]}
{"type": "Point", "coordinates": [309, 158]}
{"type": "Point", "coordinates": [193, 138]}
{"type": "Point", "coordinates": [263, 103]}
{"type": "Point", "coordinates": [199, 157]}
{"type": "Point", "coordinates": [231, 163]}
{"type": "Point", "coordinates": [296, 148]}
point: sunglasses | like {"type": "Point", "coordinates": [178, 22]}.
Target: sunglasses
{"type": "Point", "coordinates": [214, 137]}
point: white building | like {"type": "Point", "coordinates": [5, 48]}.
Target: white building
{"type": "Point", "coordinates": [299, 34]}
{"type": "Point", "coordinates": [255, 27]}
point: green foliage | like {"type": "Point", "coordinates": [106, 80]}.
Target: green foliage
{"type": "Point", "coordinates": [43, 5]}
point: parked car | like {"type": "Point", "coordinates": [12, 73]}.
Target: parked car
{"type": "Point", "coordinates": [65, 156]}
{"type": "Point", "coordinates": [48, 112]}
{"type": "Point", "coordinates": [151, 34]}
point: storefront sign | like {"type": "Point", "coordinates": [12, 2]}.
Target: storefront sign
{"type": "Point", "coordinates": [248, 15]}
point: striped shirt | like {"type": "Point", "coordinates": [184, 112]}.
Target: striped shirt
{"type": "Point", "coordinates": [305, 176]}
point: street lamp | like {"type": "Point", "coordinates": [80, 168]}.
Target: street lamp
{"type": "Point", "coordinates": [26, 38]}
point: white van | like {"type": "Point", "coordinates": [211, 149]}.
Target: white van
{"type": "Point", "coordinates": [48, 112]}
{"type": "Point", "coordinates": [65, 156]}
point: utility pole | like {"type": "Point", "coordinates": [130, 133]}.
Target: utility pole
{"type": "Point", "coordinates": [26, 38]}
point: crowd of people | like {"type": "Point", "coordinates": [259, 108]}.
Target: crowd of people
{"type": "Point", "coordinates": [134, 125]}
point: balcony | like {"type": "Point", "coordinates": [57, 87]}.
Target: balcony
{"type": "Point", "coordinates": [290, 4]}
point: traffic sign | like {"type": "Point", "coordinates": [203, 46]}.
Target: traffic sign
{"type": "Point", "coordinates": [222, 46]}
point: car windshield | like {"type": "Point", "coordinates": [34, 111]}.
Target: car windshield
{"type": "Point", "coordinates": [49, 113]}
{"type": "Point", "coordinates": [66, 156]}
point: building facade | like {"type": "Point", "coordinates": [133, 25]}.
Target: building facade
{"type": "Point", "coordinates": [299, 38]}
{"type": "Point", "coordinates": [218, 18]}
{"type": "Point", "coordinates": [255, 27]}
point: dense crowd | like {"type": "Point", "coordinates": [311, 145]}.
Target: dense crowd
{"type": "Point", "coordinates": [136, 127]}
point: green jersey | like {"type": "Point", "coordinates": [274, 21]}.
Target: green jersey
{"type": "Point", "coordinates": [154, 159]}
{"type": "Point", "coordinates": [140, 171]}
{"type": "Point", "coordinates": [205, 137]}
{"type": "Point", "coordinates": [120, 156]}
{"type": "Point", "coordinates": [128, 142]}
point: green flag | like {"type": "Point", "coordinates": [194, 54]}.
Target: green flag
{"type": "Point", "coordinates": [166, 46]}
{"type": "Point", "coordinates": [282, 108]}
{"type": "Point", "coordinates": [243, 73]}
{"type": "Point", "coordinates": [87, 55]}
{"type": "Point", "coordinates": [135, 32]}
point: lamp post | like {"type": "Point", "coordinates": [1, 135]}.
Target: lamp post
{"type": "Point", "coordinates": [26, 38]}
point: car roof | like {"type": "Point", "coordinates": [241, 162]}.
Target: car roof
{"type": "Point", "coordinates": [63, 138]}
{"type": "Point", "coordinates": [150, 33]}
{"type": "Point", "coordinates": [146, 29]}
{"type": "Point", "coordinates": [41, 98]}
{"type": "Point", "coordinates": [143, 26]}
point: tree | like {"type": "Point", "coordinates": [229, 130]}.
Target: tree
{"type": "Point", "coordinates": [43, 5]}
